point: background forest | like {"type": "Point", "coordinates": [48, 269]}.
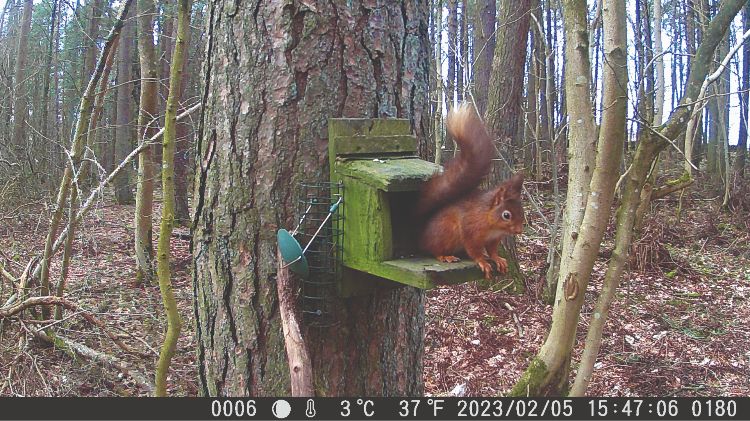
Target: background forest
{"type": "Point", "coordinates": [149, 151]}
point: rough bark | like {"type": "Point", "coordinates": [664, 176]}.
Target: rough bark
{"type": "Point", "coordinates": [439, 85]}
{"type": "Point", "coordinates": [275, 73]}
{"type": "Point", "coordinates": [147, 126]}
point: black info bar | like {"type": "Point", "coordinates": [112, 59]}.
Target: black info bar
{"type": "Point", "coordinates": [427, 408]}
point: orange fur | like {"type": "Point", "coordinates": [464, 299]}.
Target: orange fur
{"type": "Point", "coordinates": [460, 217]}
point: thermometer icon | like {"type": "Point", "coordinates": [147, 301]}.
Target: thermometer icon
{"type": "Point", "coordinates": [310, 410]}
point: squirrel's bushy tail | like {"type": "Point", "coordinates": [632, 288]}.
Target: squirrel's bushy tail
{"type": "Point", "coordinates": [463, 173]}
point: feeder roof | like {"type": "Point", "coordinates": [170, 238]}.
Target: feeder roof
{"type": "Point", "coordinates": [391, 175]}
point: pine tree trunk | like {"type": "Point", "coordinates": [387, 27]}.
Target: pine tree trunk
{"type": "Point", "coordinates": [183, 146]}
{"type": "Point", "coordinates": [274, 77]}
{"type": "Point", "coordinates": [484, 51]}
{"type": "Point", "coordinates": [124, 131]}
{"type": "Point", "coordinates": [504, 103]}
{"type": "Point", "coordinates": [20, 106]}
{"type": "Point", "coordinates": [437, 115]}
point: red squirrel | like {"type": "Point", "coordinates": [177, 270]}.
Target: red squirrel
{"type": "Point", "coordinates": [459, 216]}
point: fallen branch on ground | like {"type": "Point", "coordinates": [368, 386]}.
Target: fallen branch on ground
{"type": "Point", "coordinates": [14, 309]}
{"type": "Point", "coordinates": [664, 191]}
{"type": "Point", "coordinates": [70, 346]}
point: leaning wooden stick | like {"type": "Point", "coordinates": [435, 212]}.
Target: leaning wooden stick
{"type": "Point", "coordinates": [300, 366]}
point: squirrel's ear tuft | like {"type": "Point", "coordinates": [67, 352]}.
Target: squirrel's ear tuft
{"type": "Point", "coordinates": [510, 189]}
{"type": "Point", "coordinates": [514, 186]}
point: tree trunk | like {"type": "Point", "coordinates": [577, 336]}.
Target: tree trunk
{"type": "Point", "coordinates": [92, 33]}
{"type": "Point", "coordinates": [147, 126]}
{"type": "Point", "coordinates": [659, 66]}
{"type": "Point", "coordinates": [46, 102]}
{"type": "Point", "coordinates": [168, 205]}
{"type": "Point", "coordinates": [124, 131]}
{"type": "Point", "coordinates": [183, 146]}
{"type": "Point", "coordinates": [548, 372]}
{"type": "Point", "coordinates": [484, 51]}
{"type": "Point", "coordinates": [439, 85]}
{"type": "Point", "coordinates": [581, 134]}
{"type": "Point", "coordinates": [645, 154]}
{"type": "Point", "coordinates": [450, 85]}
{"type": "Point", "coordinates": [20, 106]}
{"type": "Point", "coordinates": [739, 162]}
{"type": "Point", "coordinates": [164, 57]}
{"type": "Point", "coordinates": [504, 103]}
{"type": "Point", "coordinates": [78, 142]}
{"type": "Point", "coordinates": [275, 75]}
{"type": "Point", "coordinates": [462, 72]}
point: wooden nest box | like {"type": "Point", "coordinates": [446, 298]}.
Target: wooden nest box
{"type": "Point", "coordinates": [375, 160]}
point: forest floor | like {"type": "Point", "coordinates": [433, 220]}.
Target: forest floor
{"type": "Point", "coordinates": [678, 326]}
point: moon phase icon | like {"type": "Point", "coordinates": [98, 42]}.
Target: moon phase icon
{"type": "Point", "coordinates": [281, 409]}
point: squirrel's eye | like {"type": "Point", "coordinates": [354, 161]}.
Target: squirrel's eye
{"type": "Point", "coordinates": [507, 215]}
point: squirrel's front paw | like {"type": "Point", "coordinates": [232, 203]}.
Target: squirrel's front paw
{"type": "Point", "coordinates": [448, 259]}
{"type": "Point", "coordinates": [502, 264]}
{"type": "Point", "coordinates": [486, 268]}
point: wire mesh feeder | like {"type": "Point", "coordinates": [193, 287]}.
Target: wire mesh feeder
{"type": "Point", "coordinates": [319, 227]}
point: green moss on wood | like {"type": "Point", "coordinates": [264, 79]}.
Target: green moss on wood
{"type": "Point", "coordinates": [531, 380]}
{"type": "Point", "coordinates": [390, 175]}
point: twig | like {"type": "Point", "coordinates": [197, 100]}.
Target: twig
{"type": "Point", "coordinates": [7, 275]}
{"type": "Point", "coordinates": [515, 319]}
